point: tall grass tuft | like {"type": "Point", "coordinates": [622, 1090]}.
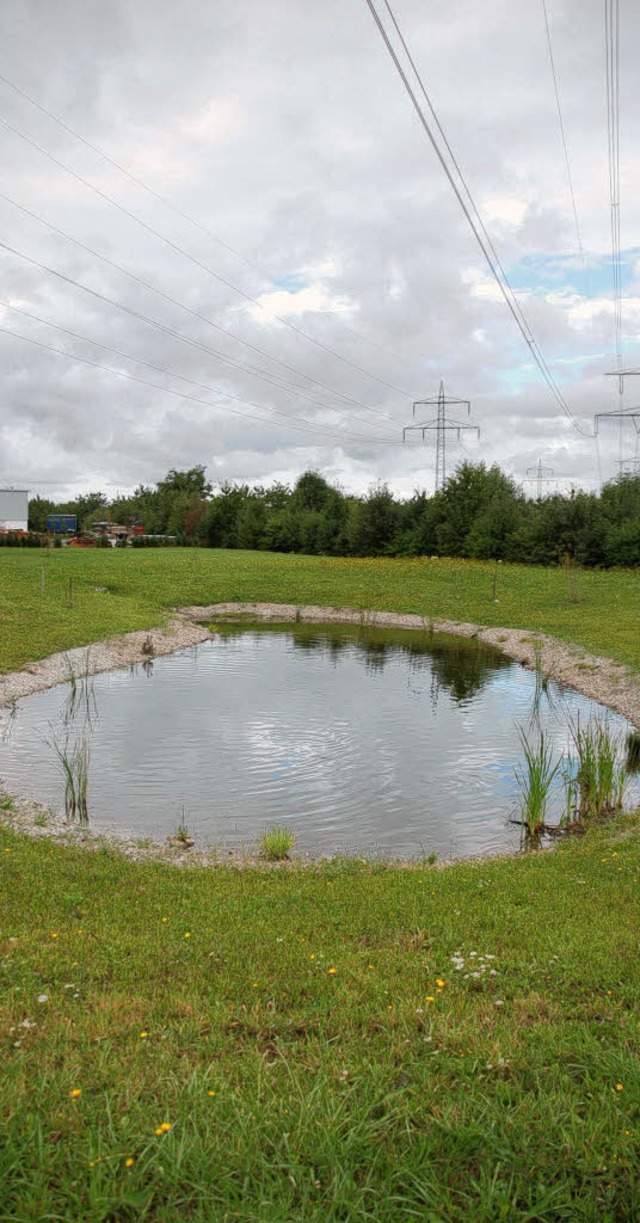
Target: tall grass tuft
{"type": "Point", "coordinates": [600, 776]}
{"type": "Point", "coordinates": [275, 843]}
{"type": "Point", "coordinates": [73, 759]}
{"type": "Point", "coordinates": [535, 780]}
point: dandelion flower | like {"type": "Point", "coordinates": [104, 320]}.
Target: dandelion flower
{"type": "Point", "coordinates": [429, 998]}
{"type": "Point", "coordinates": [77, 1091]}
{"type": "Point", "coordinates": [312, 957]}
{"type": "Point", "coordinates": [440, 983]}
{"type": "Point", "coordinates": [619, 1087]}
{"type": "Point", "coordinates": [128, 1163]}
{"type": "Point", "coordinates": [54, 934]}
{"type": "Point", "coordinates": [143, 1035]}
{"type": "Point", "coordinates": [188, 934]}
{"type": "Point", "coordinates": [165, 1127]}
{"type": "Point", "coordinates": [211, 1093]}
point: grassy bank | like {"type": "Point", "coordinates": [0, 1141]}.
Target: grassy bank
{"type": "Point", "coordinates": [283, 1045]}
{"type": "Point", "coordinates": [114, 591]}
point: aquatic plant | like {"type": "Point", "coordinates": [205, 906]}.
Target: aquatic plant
{"type": "Point", "coordinates": [535, 780]}
{"type": "Point", "coordinates": [600, 776]}
{"type": "Point", "coordinates": [73, 758]}
{"type": "Point", "coordinates": [275, 843]}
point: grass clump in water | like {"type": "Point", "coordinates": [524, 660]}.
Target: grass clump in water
{"type": "Point", "coordinates": [600, 777]}
{"type": "Point", "coordinates": [535, 781]}
{"type": "Point", "coordinates": [275, 844]}
{"type": "Point", "coordinates": [73, 758]}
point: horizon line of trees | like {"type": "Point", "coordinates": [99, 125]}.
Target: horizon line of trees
{"type": "Point", "coordinates": [480, 513]}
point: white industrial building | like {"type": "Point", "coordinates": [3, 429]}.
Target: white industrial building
{"type": "Point", "coordinates": [14, 509]}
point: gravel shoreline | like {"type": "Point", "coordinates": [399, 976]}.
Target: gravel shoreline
{"type": "Point", "coordinates": [611, 684]}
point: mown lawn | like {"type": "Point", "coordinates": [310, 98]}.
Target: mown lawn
{"type": "Point", "coordinates": [283, 1045]}
{"type": "Point", "coordinates": [113, 591]}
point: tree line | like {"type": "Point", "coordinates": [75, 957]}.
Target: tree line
{"type": "Point", "coordinates": [480, 512]}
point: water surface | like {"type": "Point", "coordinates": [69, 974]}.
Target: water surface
{"type": "Point", "coordinates": [359, 740]}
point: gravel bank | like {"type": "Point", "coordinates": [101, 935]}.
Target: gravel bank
{"type": "Point", "coordinates": [107, 655]}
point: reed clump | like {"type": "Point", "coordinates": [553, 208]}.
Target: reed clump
{"type": "Point", "coordinates": [592, 777]}
{"type": "Point", "coordinates": [73, 757]}
{"type": "Point", "coordinates": [600, 775]}
{"type": "Point", "coordinates": [536, 779]}
{"type": "Point", "coordinates": [275, 844]}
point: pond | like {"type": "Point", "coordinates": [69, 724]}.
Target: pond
{"type": "Point", "coordinates": [358, 740]}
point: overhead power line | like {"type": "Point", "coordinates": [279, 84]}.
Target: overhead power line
{"type": "Point", "coordinates": [612, 58]}
{"type": "Point", "coordinates": [118, 267]}
{"type": "Point", "coordinates": [463, 195]}
{"type": "Point", "coordinates": [127, 356]}
{"type": "Point", "coordinates": [174, 245]}
{"type": "Point", "coordinates": [270, 379]}
{"type": "Point", "coordinates": [563, 136]}
{"type": "Point", "coordinates": [164, 390]}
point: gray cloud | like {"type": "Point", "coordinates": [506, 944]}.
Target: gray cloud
{"type": "Point", "coordinates": [284, 130]}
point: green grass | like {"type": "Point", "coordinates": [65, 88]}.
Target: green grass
{"type": "Point", "coordinates": [289, 1027]}
{"type": "Point", "coordinates": [286, 1026]}
{"type": "Point", "coordinates": [143, 585]}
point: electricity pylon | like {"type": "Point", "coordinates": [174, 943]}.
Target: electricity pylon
{"type": "Point", "coordinates": [540, 474]}
{"type": "Point", "coordinates": [440, 425]}
{"type": "Point", "coordinates": [622, 413]}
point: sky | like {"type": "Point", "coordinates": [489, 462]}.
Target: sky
{"type": "Point", "coordinates": [227, 221]}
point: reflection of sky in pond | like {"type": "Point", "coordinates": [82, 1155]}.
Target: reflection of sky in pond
{"type": "Point", "coordinates": [357, 740]}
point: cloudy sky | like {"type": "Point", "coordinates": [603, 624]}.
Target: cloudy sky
{"type": "Point", "coordinates": [307, 272]}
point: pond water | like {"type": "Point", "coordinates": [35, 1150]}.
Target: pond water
{"type": "Point", "coordinates": [359, 740]}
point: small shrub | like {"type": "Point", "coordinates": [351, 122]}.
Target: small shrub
{"type": "Point", "coordinates": [275, 843]}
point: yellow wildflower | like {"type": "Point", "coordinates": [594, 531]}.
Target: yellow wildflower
{"type": "Point", "coordinates": [128, 1163]}
{"type": "Point", "coordinates": [440, 983]}
{"type": "Point", "coordinates": [143, 1035]}
{"type": "Point", "coordinates": [211, 1093]}
{"type": "Point", "coordinates": [188, 934]}
{"type": "Point", "coordinates": [619, 1087]}
{"type": "Point", "coordinates": [77, 1091]}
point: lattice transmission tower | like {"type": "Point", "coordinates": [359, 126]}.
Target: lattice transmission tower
{"type": "Point", "coordinates": [440, 424]}
{"type": "Point", "coordinates": [541, 475]}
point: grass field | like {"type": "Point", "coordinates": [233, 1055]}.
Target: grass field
{"type": "Point", "coordinates": [329, 1043]}
{"type": "Point", "coordinates": [283, 1045]}
{"type": "Point", "coordinates": [113, 591]}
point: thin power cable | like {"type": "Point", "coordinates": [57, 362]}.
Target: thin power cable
{"type": "Point", "coordinates": [176, 247]}
{"type": "Point", "coordinates": [165, 390]}
{"type": "Point", "coordinates": [270, 379]}
{"type": "Point", "coordinates": [565, 146]}
{"type": "Point", "coordinates": [127, 356]}
{"type": "Point", "coordinates": [469, 209]}
{"type": "Point", "coordinates": [612, 61]}
{"type": "Point", "coordinates": [119, 267]}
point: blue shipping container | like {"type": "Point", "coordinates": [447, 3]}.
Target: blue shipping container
{"type": "Point", "coordinates": [61, 524]}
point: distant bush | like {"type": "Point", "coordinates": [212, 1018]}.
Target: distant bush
{"type": "Point", "coordinates": [480, 513]}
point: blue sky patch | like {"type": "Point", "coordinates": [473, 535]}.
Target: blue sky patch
{"type": "Point", "coordinates": [544, 273]}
